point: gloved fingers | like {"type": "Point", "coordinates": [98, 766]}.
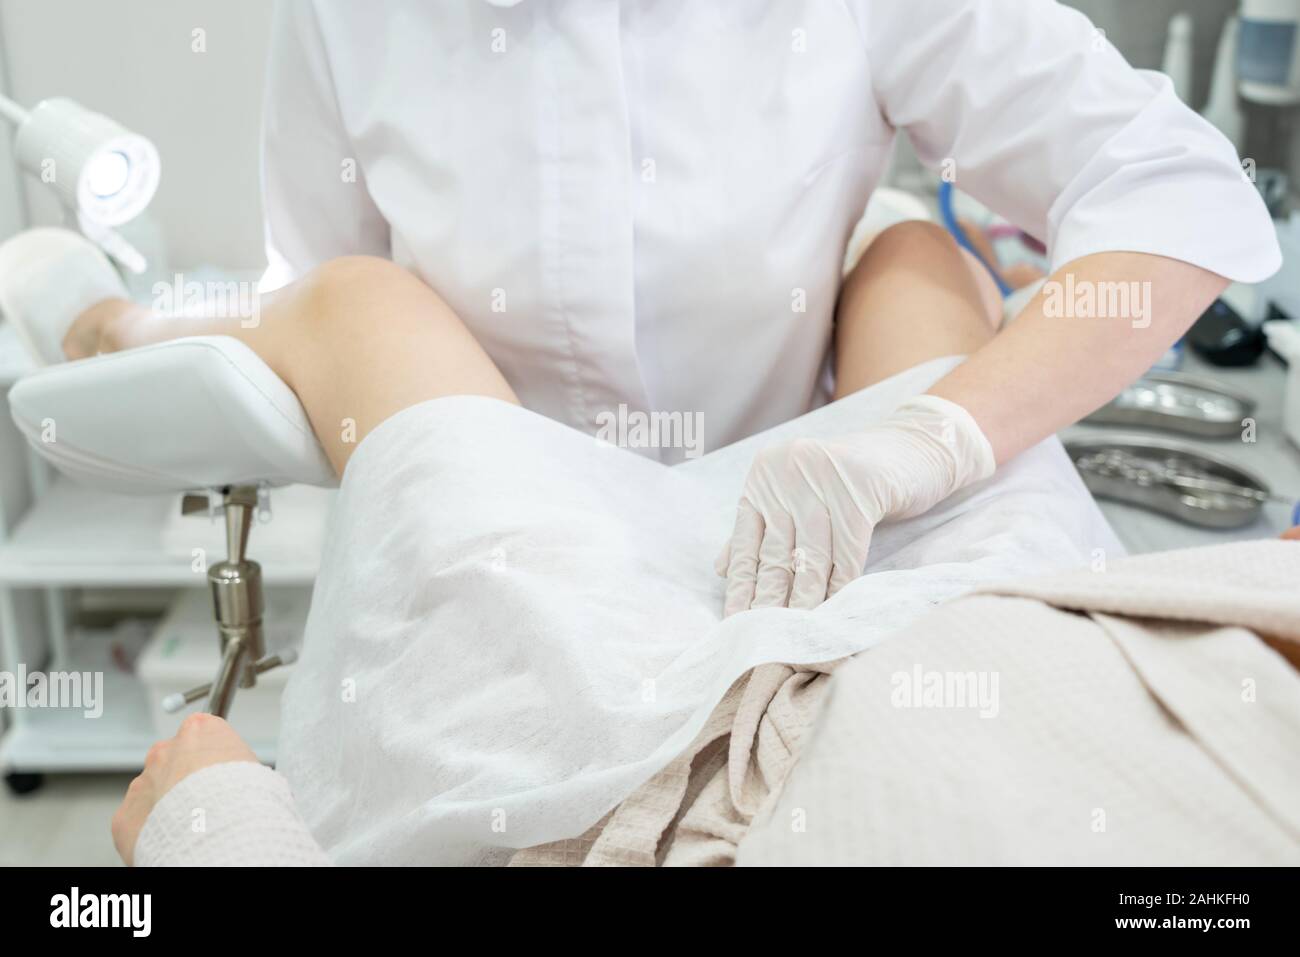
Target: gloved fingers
{"type": "Point", "coordinates": [812, 560]}
{"type": "Point", "coordinates": [775, 562]}
{"type": "Point", "coordinates": [742, 565]}
{"type": "Point", "coordinates": [849, 547]}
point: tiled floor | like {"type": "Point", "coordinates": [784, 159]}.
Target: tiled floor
{"type": "Point", "coordinates": [65, 822]}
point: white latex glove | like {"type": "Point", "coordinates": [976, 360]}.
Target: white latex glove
{"type": "Point", "coordinates": [804, 523]}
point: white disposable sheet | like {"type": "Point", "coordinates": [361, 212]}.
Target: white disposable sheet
{"type": "Point", "coordinates": [516, 624]}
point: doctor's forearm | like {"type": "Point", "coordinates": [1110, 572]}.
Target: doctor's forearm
{"type": "Point", "coordinates": [1069, 353]}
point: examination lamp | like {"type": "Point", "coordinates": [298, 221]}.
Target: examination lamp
{"type": "Point", "coordinates": [99, 169]}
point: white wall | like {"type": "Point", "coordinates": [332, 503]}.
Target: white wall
{"type": "Point", "coordinates": [133, 60]}
{"type": "Point", "coordinates": [12, 209]}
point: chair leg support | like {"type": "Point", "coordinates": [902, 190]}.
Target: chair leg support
{"type": "Point", "coordinates": [233, 663]}
{"type": "Point", "coordinates": [237, 602]}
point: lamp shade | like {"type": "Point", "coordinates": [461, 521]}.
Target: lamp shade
{"type": "Point", "coordinates": [97, 167]}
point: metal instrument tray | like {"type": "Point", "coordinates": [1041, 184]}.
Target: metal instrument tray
{"type": "Point", "coordinates": [1208, 508]}
{"type": "Point", "coordinates": [1177, 402]}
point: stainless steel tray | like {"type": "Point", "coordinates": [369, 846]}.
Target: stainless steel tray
{"type": "Point", "coordinates": [1209, 509]}
{"type": "Point", "coordinates": [1177, 402]}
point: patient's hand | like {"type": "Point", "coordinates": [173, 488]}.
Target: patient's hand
{"type": "Point", "coordinates": [202, 741]}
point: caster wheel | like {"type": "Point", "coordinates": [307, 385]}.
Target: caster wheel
{"type": "Point", "coordinates": [20, 783]}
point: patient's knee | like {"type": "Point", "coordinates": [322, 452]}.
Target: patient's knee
{"type": "Point", "coordinates": [354, 289]}
{"type": "Point", "coordinates": [348, 278]}
{"type": "Point", "coordinates": [340, 300]}
{"type": "Point", "coordinates": [905, 249]}
{"type": "Point", "coordinates": [914, 247]}
{"type": "Point", "coordinates": [914, 238]}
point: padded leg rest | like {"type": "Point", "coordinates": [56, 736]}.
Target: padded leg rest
{"type": "Point", "coordinates": [193, 413]}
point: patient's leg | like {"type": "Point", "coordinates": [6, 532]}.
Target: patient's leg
{"type": "Point", "coordinates": [914, 295]}
{"type": "Point", "coordinates": [358, 339]}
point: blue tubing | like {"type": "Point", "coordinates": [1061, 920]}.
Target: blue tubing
{"type": "Point", "coordinates": [950, 223]}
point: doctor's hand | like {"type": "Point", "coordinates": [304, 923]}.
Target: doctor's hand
{"type": "Point", "coordinates": [203, 740]}
{"type": "Point", "coordinates": [805, 519]}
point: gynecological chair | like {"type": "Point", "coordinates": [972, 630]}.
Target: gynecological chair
{"type": "Point", "coordinates": [202, 416]}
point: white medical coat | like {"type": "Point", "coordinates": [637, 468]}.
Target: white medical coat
{"type": "Point", "coordinates": [646, 203]}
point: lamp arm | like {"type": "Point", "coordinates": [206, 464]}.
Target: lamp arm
{"type": "Point", "coordinates": [11, 111]}
{"type": "Point", "coordinates": [116, 246]}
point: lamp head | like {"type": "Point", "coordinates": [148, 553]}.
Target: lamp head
{"type": "Point", "coordinates": [100, 169]}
